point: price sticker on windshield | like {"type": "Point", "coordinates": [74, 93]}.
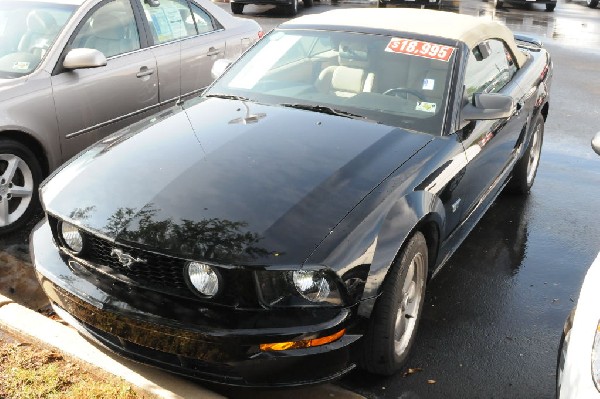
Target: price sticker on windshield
{"type": "Point", "coordinates": [420, 49]}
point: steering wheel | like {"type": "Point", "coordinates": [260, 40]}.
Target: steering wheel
{"type": "Point", "coordinates": [398, 91]}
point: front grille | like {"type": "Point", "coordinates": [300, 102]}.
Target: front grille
{"type": "Point", "coordinates": [160, 272]}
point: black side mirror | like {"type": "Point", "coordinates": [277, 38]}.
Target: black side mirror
{"type": "Point", "coordinates": [488, 106]}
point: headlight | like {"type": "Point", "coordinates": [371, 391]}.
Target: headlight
{"type": "Point", "coordinates": [299, 288]}
{"type": "Point", "coordinates": [203, 278]}
{"type": "Point", "coordinates": [596, 358]}
{"type": "Point", "coordinates": [311, 285]}
{"type": "Point", "coordinates": [71, 237]}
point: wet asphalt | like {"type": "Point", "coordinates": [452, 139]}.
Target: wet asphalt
{"type": "Point", "coordinates": [493, 316]}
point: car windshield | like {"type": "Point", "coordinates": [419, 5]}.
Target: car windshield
{"type": "Point", "coordinates": [27, 30]}
{"type": "Point", "coordinates": [390, 80]}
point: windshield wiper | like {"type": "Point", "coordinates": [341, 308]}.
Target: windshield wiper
{"type": "Point", "coordinates": [325, 110]}
{"type": "Point", "coordinates": [228, 96]}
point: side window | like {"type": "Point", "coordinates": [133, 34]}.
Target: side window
{"type": "Point", "coordinates": [204, 22]}
{"type": "Point", "coordinates": [489, 69]}
{"type": "Point", "coordinates": [110, 29]}
{"type": "Point", "coordinates": [173, 19]}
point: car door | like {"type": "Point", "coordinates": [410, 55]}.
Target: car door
{"type": "Point", "coordinates": [490, 145]}
{"type": "Point", "coordinates": [92, 103]}
{"type": "Point", "coordinates": [186, 42]}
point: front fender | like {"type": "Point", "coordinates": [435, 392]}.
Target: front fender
{"type": "Point", "coordinates": [362, 255]}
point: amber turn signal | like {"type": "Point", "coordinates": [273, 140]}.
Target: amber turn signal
{"type": "Point", "coordinates": [282, 346]}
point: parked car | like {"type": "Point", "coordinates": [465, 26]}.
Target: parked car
{"type": "Point", "coordinates": [74, 71]}
{"type": "Point", "coordinates": [280, 229]}
{"type": "Point", "coordinates": [578, 365]}
{"type": "Point", "coordinates": [411, 3]}
{"type": "Point", "coordinates": [289, 6]}
{"type": "Point", "coordinates": [550, 4]}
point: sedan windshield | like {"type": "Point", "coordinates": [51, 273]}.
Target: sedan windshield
{"type": "Point", "coordinates": [27, 30]}
{"type": "Point", "coordinates": [391, 80]}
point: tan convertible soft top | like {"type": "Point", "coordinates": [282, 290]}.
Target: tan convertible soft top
{"type": "Point", "coordinates": [465, 28]}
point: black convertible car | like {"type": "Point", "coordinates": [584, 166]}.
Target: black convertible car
{"type": "Point", "coordinates": [280, 229]}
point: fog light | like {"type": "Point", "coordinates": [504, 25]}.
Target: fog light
{"type": "Point", "coordinates": [71, 237]}
{"type": "Point", "coordinates": [312, 285]}
{"type": "Point", "coordinates": [203, 278]}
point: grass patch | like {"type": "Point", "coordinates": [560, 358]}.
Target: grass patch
{"type": "Point", "coordinates": [29, 371]}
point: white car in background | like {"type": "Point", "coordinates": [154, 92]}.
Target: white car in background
{"type": "Point", "coordinates": [578, 366]}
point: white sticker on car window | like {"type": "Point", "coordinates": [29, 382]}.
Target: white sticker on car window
{"type": "Point", "coordinates": [21, 65]}
{"type": "Point", "coordinates": [428, 84]}
{"type": "Point", "coordinates": [425, 106]}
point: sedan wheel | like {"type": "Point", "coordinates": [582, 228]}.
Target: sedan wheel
{"type": "Point", "coordinates": [393, 323]}
{"type": "Point", "coordinates": [20, 175]}
{"type": "Point", "coordinates": [592, 3]}
{"type": "Point", "coordinates": [550, 6]}
{"type": "Point", "coordinates": [525, 170]}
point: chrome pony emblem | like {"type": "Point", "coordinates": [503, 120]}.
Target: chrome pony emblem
{"type": "Point", "coordinates": [125, 259]}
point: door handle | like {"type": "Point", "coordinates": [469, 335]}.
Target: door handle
{"type": "Point", "coordinates": [213, 51]}
{"type": "Point", "coordinates": [144, 71]}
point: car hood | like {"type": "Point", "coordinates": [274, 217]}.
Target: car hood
{"type": "Point", "coordinates": [229, 181]}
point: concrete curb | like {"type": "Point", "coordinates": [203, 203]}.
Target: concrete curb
{"type": "Point", "coordinates": [22, 321]}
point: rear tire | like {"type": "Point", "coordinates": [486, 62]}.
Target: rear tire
{"type": "Point", "coordinates": [393, 323]}
{"type": "Point", "coordinates": [498, 4]}
{"type": "Point", "coordinates": [592, 3]}
{"type": "Point", "coordinates": [237, 8]}
{"type": "Point", "coordinates": [20, 177]}
{"type": "Point", "coordinates": [550, 7]}
{"type": "Point", "coordinates": [525, 170]}
{"type": "Point", "coordinates": [307, 3]}
{"type": "Point", "coordinates": [292, 9]}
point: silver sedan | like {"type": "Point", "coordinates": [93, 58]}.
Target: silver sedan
{"type": "Point", "coordinates": [74, 71]}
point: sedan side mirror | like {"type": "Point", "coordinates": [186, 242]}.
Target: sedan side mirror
{"type": "Point", "coordinates": [596, 143]}
{"type": "Point", "coordinates": [219, 67]}
{"type": "Point", "coordinates": [488, 106]}
{"type": "Point", "coordinates": [84, 58]}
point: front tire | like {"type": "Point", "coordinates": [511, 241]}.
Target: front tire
{"type": "Point", "coordinates": [592, 3]}
{"type": "Point", "coordinates": [525, 170]}
{"type": "Point", "coordinates": [393, 323]}
{"type": "Point", "coordinates": [20, 176]}
{"type": "Point", "coordinates": [307, 3]}
{"type": "Point", "coordinates": [237, 8]}
{"type": "Point", "coordinates": [550, 7]}
{"type": "Point", "coordinates": [381, 4]}
{"type": "Point", "coordinates": [498, 4]}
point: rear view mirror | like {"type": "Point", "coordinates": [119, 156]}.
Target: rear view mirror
{"type": "Point", "coordinates": [596, 143]}
{"type": "Point", "coordinates": [84, 58]}
{"type": "Point", "coordinates": [488, 106]}
{"type": "Point", "coordinates": [219, 67]}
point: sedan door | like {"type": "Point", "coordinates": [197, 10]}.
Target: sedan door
{"type": "Point", "coordinates": [186, 42]}
{"type": "Point", "coordinates": [92, 103]}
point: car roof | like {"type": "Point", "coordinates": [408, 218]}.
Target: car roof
{"type": "Point", "coordinates": [465, 28]}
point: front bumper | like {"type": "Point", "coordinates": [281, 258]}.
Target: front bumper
{"type": "Point", "coordinates": [216, 344]}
